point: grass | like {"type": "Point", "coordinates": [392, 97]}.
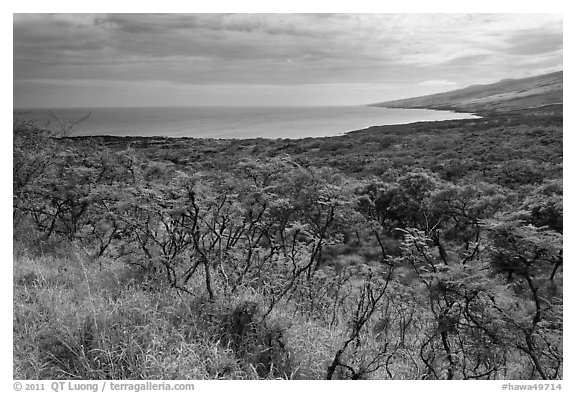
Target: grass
{"type": "Point", "coordinates": [75, 319]}
{"type": "Point", "coordinates": [80, 319]}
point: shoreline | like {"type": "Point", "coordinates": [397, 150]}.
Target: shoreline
{"type": "Point", "coordinates": [484, 117]}
{"type": "Point", "coordinates": [283, 123]}
{"type": "Point", "coordinates": [550, 114]}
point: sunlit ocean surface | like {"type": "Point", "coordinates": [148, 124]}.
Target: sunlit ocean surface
{"type": "Point", "coordinates": [236, 122]}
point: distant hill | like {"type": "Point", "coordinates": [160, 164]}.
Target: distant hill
{"type": "Point", "coordinates": [505, 95]}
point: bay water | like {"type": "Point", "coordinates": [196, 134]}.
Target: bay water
{"type": "Point", "coordinates": [231, 122]}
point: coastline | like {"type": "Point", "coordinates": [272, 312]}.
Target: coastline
{"type": "Point", "coordinates": [238, 123]}
{"type": "Point", "coordinates": [351, 140]}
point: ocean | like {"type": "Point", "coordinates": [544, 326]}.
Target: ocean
{"type": "Point", "coordinates": [232, 122]}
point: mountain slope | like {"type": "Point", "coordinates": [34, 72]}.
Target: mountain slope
{"type": "Point", "coordinates": [508, 94]}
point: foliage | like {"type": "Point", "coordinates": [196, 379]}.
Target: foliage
{"type": "Point", "coordinates": [427, 251]}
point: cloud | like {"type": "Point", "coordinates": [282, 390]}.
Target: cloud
{"type": "Point", "coordinates": [438, 83]}
{"type": "Point", "coordinates": [284, 49]}
{"type": "Point", "coordinates": [385, 37]}
{"type": "Point", "coordinates": [534, 42]}
{"type": "Point", "coordinates": [35, 92]}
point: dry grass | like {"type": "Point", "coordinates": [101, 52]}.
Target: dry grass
{"type": "Point", "coordinates": [75, 319]}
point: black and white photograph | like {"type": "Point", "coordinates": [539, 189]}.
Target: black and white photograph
{"type": "Point", "coordinates": [287, 196]}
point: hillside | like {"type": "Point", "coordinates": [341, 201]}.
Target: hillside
{"type": "Point", "coordinates": [502, 96]}
{"type": "Point", "coordinates": [430, 250]}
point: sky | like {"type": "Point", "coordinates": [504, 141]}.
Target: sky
{"type": "Point", "coordinates": [108, 60]}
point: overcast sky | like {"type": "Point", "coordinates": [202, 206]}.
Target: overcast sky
{"type": "Point", "coordinates": [271, 59]}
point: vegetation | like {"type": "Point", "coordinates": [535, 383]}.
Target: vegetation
{"type": "Point", "coordinates": [533, 92]}
{"type": "Point", "coordinates": [421, 251]}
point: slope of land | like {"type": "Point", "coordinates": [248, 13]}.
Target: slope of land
{"type": "Point", "coordinates": [502, 96]}
{"type": "Point", "coordinates": [430, 250]}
